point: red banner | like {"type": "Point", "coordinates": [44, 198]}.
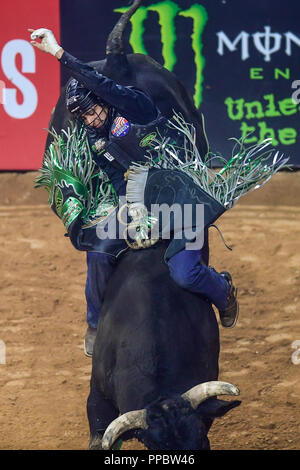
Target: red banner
{"type": "Point", "coordinates": [29, 83]}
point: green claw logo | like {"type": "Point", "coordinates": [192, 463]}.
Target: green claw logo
{"type": "Point", "coordinates": [148, 140]}
{"type": "Point", "coordinates": [167, 12]}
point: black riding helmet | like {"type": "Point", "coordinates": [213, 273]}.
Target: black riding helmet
{"type": "Point", "coordinates": [79, 99]}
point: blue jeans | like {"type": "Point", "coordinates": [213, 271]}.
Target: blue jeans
{"type": "Point", "coordinates": [100, 266]}
{"type": "Point", "coordinates": [185, 268]}
{"type": "Point", "coordinates": [189, 273]}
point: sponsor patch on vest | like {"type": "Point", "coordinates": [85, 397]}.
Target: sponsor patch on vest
{"type": "Point", "coordinates": [99, 144]}
{"type": "Point", "coordinates": [148, 140]}
{"type": "Point", "coordinates": [120, 127]}
{"type": "Point", "coordinates": [109, 156]}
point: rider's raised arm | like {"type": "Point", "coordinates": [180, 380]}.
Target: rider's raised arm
{"type": "Point", "coordinates": [132, 103]}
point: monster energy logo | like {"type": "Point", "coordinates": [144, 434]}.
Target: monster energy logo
{"type": "Point", "coordinates": [167, 12]}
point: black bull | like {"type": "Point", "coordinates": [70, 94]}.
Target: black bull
{"type": "Point", "coordinates": [155, 340]}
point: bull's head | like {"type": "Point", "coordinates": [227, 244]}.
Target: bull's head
{"type": "Point", "coordinates": [179, 423]}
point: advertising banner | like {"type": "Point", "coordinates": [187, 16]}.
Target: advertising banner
{"type": "Point", "coordinates": [29, 83]}
{"type": "Point", "coordinates": [240, 61]}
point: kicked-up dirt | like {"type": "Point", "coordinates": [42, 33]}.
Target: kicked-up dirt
{"type": "Point", "coordinates": [44, 374]}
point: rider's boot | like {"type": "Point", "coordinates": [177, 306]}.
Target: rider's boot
{"type": "Point", "coordinates": [229, 315]}
{"type": "Point", "coordinates": [89, 341]}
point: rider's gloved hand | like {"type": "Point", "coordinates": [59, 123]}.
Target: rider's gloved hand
{"type": "Point", "coordinates": [48, 42]}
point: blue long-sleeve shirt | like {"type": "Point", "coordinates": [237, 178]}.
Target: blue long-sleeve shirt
{"type": "Point", "coordinates": [130, 102]}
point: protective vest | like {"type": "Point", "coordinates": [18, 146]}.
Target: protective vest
{"type": "Point", "coordinates": [128, 142]}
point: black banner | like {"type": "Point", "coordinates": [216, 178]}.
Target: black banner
{"type": "Point", "coordinates": [240, 60]}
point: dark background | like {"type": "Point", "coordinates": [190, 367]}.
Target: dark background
{"type": "Point", "coordinates": [85, 27]}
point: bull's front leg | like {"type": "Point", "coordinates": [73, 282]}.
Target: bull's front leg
{"type": "Point", "coordinates": [101, 413]}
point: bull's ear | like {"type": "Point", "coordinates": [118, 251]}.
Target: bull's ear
{"type": "Point", "coordinates": [215, 408]}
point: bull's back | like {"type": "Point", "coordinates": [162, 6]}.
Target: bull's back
{"type": "Point", "coordinates": [154, 338]}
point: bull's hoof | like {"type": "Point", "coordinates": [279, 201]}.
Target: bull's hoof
{"type": "Point", "coordinates": [96, 442]}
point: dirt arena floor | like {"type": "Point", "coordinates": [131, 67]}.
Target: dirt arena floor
{"type": "Point", "coordinates": [45, 379]}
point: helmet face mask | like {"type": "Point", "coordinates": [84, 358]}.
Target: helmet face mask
{"type": "Point", "coordinates": [95, 116]}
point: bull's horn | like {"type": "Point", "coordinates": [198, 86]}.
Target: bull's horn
{"type": "Point", "coordinates": [130, 420]}
{"type": "Point", "coordinates": [114, 43]}
{"type": "Point", "coordinates": [202, 392]}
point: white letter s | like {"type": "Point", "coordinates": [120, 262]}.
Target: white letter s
{"type": "Point", "coordinates": [11, 106]}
